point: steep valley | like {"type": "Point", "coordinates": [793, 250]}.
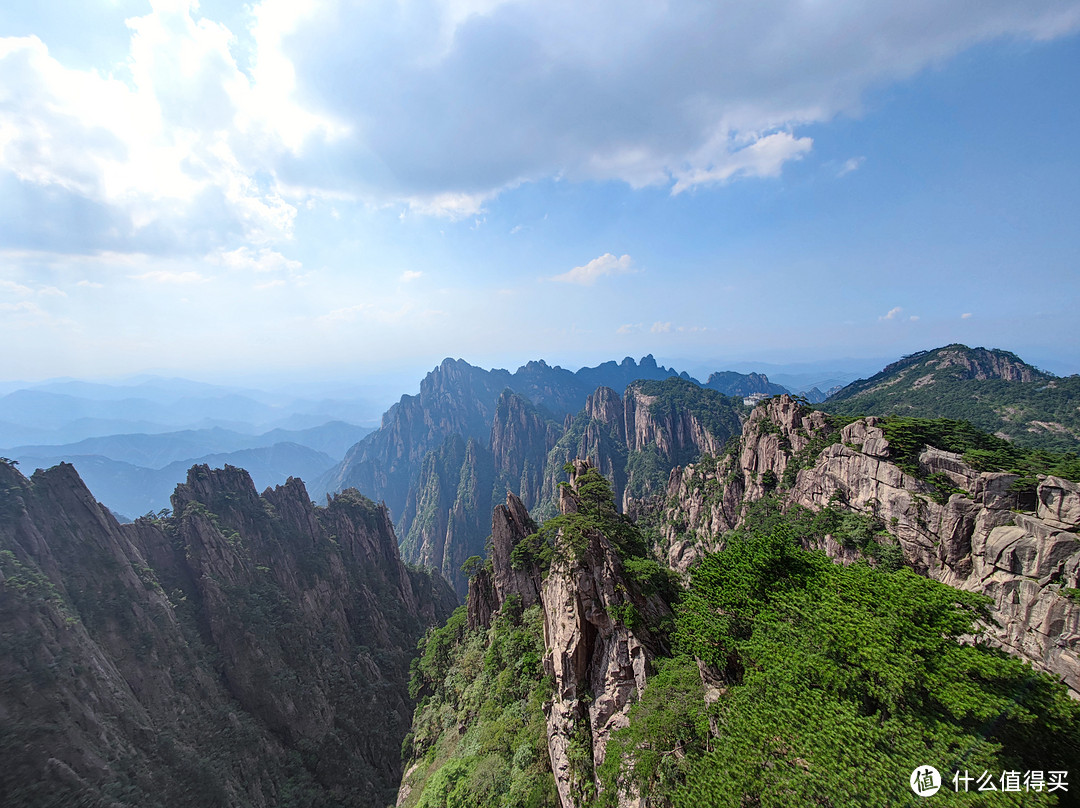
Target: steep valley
{"type": "Point", "coordinates": [671, 598]}
{"type": "Point", "coordinates": [250, 650]}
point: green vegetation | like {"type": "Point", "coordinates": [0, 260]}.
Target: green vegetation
{"type": "Point", "coordinates": [808, 455]}
{"type": "Point", "coordinates": [835, 683]}
{"type": "Point", "coordinates": [479, 735]}
{"type": "Point", "coordinates": [909, 436]}
{"type": "Point", "coordinates": [719, 414]}
{"type": "Point", "coordinates": [1040, 414]}
{"type": "Point", "coordinates": [595, 514]}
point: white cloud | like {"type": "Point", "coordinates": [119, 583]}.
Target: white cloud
{"type": "Point", "coordinates": [851, 164]}
{"type": "Point", "coordinates": [261, 260]}
{"type": "Point", "coordinates": [590, 273]}
{"type": "Point", "coordinates": [344, 314]}
{"type": "Point", "coordinates": [892, 314]}
{"type": "Point", "coordinates": [204, 136]}
{"type": "Point", "coordinates": [52, 291]}
{"type": "Point", "coordinates": [660, 328]}
{"type": "Point", "coordinates": [677, 94]}
{"type": "Point", "coordinates": [15, 288]}
{"type": "Point", "coordinates": [914, 318]}
{"type": "Point", "coordinates": [410, 275]}
{"type": "Point", "coordinates": [166, 276]}
{"type": "Point", "coordinates": [762, 158]}
{"type": "Point", "coordinates": [23, 307]}
{"type": "Point", "coordinates": [966, 315]}
{"type": "Point", "coordinates": [90, 284]}
{"type": "Point", "coordinates": [628, 328]}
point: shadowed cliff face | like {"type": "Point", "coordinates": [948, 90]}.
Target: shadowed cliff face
{"type": "Point", "coordinates": [982, 538]}
{"type": "Point", "coordinates": [249, 650]}
{"type": "Point", "coordinates": [601, 626]}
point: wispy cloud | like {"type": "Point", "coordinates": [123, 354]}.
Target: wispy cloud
{"type": "Point", "coordinates": [966, 315]}
{"type": "Point", "coordinates": [165, 276]}
{"type": "Point", "coordinates": [629, 328]}
{"type": "Point", "coordinates": [851, 164]}
{"type": "Point", "coordinates": [764, 157]}
{"type": "Point", "coordinates": [892, 314]}
{"type": "Point", "coordinates": [258, 260]}
{"type": "Point", "coordinates": [410, 275]}
{"type": "Point", "coordinates": [90, 284]}
{"type": "Point", "coordinates": [15, 288]}
{"type": "Point", "coordinates": [607, 264]}
{"type": "Point", "coordinates": [660, 328]}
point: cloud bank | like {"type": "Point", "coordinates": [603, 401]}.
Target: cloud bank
{"type": "Point", "coordinates": [203, 138]}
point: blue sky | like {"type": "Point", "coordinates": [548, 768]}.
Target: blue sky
{"type": "Point", "coordinates": [338, 188]}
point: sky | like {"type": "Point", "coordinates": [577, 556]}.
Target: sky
{"type": "Point", "coordinates": [334, 188]}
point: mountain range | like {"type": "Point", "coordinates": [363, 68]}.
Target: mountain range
{"type": "Point", "coordinates": [648, 565]}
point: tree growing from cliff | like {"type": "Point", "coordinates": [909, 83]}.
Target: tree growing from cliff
{"type": "Point", "coordinates": [836, 683]}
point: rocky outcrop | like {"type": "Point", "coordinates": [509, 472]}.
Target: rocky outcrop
{"type": "Point", "coordinates": [246, 649]}
{"type": "Point", "coordinates": [974, 541]}
{"type": "Point", "coordinates": [447, 509]}
{"type": "Point", "coordinates": [521, 437]}
{"type": "Point", "coordinates": [955, 362]}
{"type": "Point", "coordinates": [991, 537]}
{"type": "Point", "coordinates": [706, 499]}
{"type": "Point", "coordinates": [776, 431]}
{"type": "Point", "coordinates": [510, 524]}
{"type": "Point", "coordinates": [636, 441]}
{"type": "Point", "coordinates": [493, 584]}
{"type": "Point", "coordinates": [731, 383]}
{"type": "Point", "coordinates": [600, 647]}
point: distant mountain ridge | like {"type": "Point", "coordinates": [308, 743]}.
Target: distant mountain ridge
{"type": "Point", "coordinates": [458, 398]}
{"type": "Point", "coordinates": [134, 474]}
{"type": "Point", "coordinates": [442, 458]}
{"type": "Point", "coordinates": [993, 389]}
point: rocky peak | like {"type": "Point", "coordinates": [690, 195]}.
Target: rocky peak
{"type": "Point", "coordinates": [599, 631]}
{"type": "Point", "coordinates": [212, 657]}
{"type": "Point", "coordinates": [605, 406]}
{"type": "Point", "coordinates": [776, 430]}
{"type": "Point", "coordinates": [227, 489]}
{"type": "Point", "coordinates": [980, 363]}
{"type": "Point", "coordinates": [510, 524]}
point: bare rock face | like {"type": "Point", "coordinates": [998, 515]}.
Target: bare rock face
{"type": "Point", "coordinates": [1059, 502]}
{"type": "Point", "coordinates": [599, 650]}
{"type": "Point", "coordinates": [604, 406]}
{"type": "Point", "coordinates": [193, 658]}
{"type": "Point", "coordinates": [775, 431]}
{"type": "Point", "coordinates": [706, 499]}
{"type": "Point", "coordinates": [510, 523]}
{"type": "Point", "coordinates": [521, 438]}
{"type": "Point", "coordinates": [975, 542]}
{"type": "Point", "coordinates": [673, 433]}
{"type": "Point", "coordinates": [490, 587]}
{"type": "Point", "coordinates": [992, 539]}
{"type": "Point", "coordinates": [597, 636]}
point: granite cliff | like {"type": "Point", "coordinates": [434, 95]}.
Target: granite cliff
{"type": "Point", "coordinates": [979, 531]}
{"type": "Point", "coordinates": [600, 615]}
{"type": "Point", "coordinates": [247, 651]}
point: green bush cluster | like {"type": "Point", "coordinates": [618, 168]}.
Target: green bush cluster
{"type": "Point", "coordinates": [836, 681]}
{"type": "Point", "coordinates": [479, 734]}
